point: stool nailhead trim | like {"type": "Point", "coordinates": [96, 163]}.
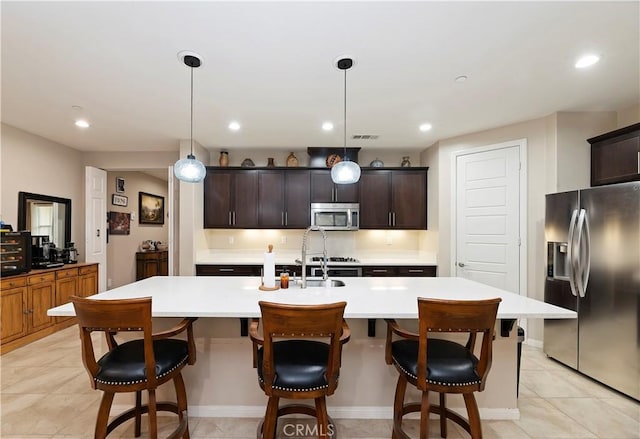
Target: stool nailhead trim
{"type": "Point", "coordinates": [120, 383]}
{"type": "Point", "coordinates": [437, 382]}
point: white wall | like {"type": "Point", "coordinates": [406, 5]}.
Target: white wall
{"type": "Point", "coordinates": [34, 164]}
{"type": "Point", "coordinates": [628, 116]}
{"type": "Point", "coordinates": [573, 152]}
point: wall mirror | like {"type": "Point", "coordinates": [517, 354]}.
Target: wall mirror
{"type": "Point", "coordinates": [45, 215]}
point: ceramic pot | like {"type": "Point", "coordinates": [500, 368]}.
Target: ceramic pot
{"type": "Point", "coordinates": [292, 160]}
{"type": "Point", "coordinates": [224, 158]}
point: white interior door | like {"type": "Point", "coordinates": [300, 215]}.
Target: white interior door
{"type": "Point", "coordinates": [488, 217]}
{"type": "Point", "coordinates": [96, 222]}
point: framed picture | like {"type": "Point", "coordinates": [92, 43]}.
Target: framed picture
{"type": "Point", "coordinates": [119, 200]}
{"type": "Point", "coordinates": [150, 208]}
{"type": "Point", "coordinates": [119, 184]}
{"type": "Point", "coordinates": [119, 223]}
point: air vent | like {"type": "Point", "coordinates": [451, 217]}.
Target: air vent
{"type": "Point", "coordinates": [364, 137]}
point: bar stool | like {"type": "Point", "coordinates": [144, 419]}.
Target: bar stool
{"type": "Point", "coordinates": [136, 365]}
{"type": "Point", "coordinates": [442, 366]}
{"type": "Point", "coordinates": [296, 366]}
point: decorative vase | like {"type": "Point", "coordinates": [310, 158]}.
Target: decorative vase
{"type": "Point", "coordinates": [292, 160]}
{"type": "Point", "coordinates": [405, 162]}
{"type": "Point", "coordinates": [270, 163]}
{"type": "Point", "coordinates": [224, 158]}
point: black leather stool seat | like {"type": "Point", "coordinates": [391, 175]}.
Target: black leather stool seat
{"type": "Point", "coordinates": [449, 362]}
{"type": "Point", "coordinates": [300, 365]}
{"type": "Point", "coordinates": [125, 364]}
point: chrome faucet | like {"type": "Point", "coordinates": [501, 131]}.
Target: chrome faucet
{"type": "Point", "coordinates": [325, 276]}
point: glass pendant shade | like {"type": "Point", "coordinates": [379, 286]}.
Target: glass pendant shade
{"type": "Point", "coordinates": [345, 172]}
{"type": "Point", "coordinates": [189, 170]}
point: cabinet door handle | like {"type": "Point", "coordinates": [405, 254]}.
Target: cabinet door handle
{"type": "Point", "coordinates": [227, 269]}
{"type": "Point", "coordinates": [389, 219]}
{"type": "Point", "coordinates": [234, 217]}
{"type": "Point", "coordinates": [25, 312]}
{"type": "Point", "coordinates": [415, 270]}
{"type": "Point", "coordinates": [286, 218]}
{"type": "Point", "coordinates": [282, 218]}
{"type": "Point", "coordinates": [394, 219]}
{"type": "Point", "coordinates": [230, 223]}
{"type": "Point", "coordinates": [638, 162]}
{"type": "Point", "coordinates": [380, 270]}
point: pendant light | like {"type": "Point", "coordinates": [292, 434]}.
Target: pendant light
{"type": "Point", "coordinates": [190, 170]}
{"type": "Point", "coordinates": [345, 171]}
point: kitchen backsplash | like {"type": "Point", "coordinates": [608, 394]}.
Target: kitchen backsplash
{"type": "Point", "coordinates": [338, 243]}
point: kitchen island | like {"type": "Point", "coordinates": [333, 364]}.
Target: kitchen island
{"type": "Point", "coordinates": [224, 383]}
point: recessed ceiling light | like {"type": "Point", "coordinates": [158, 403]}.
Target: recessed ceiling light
{"type": "Point", "coordinates": [461, 78]}
{"type": "Point", "coordinates": [425, 127]}
{"type": "Point", "coordinates": [81, 123]}
{"type": "Point", "coordinates": [327, 126]}
{"type": "Point", "coordinates": [587, 61]}
{"type": "Point", "coordinates": [234, 126]}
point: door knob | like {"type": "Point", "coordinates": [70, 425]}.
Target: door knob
{"type": "Point", "coordinates": [460, 264]}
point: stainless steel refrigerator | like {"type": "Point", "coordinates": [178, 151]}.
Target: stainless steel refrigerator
{"type": "Point", "coordinates": [593, 268]}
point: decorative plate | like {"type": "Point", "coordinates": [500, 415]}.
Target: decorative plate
{"type": "Point", "coordinates": [377, 163]}
{"type": "Point", "coordinates": [332, 159]}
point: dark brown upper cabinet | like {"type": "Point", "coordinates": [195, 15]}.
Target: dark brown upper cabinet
{"type": "Point", "coordinates": [393, 199]}
{"type": "Point", "coordinates": [284, 199]}
{"type": "Point", "coordinates": [231, 198]}
{"type": "Point", "coordinates": [615, 156]}
{"type": "Point", "coordinates": [324, 190]}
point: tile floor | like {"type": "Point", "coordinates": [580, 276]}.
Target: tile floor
{"type": "Point", "coordinates": [41, 401]}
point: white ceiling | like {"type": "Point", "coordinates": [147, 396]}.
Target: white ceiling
{"type": "Point", "coordinates": [270, 66]}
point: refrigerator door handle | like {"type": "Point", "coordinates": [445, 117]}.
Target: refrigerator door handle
{"type": "Point", "coordinates": [573, 269]}
{"type": "Point", "coordinates": [586, 256]}
{"type": "Point", "coordinates": [581, 250]}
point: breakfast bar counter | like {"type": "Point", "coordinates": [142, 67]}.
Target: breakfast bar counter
{"type": "Point", "coordinates": [224, 383]}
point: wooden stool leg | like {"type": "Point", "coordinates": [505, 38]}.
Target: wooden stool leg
{"type": "Point", "coordinates": [398, 403]}
{"type": "Point", "coordinates": [443, 415]}
{"type": "Point", "coordinates": [474, 416]}
{"type": "Point", "coordinates": [103, 415]}
{"type": "Point", "coordinates": [322, 417]}
{"type": "Point", "coordinates": [181, 395]}
{"type": "Point", "coordinates": [271, 418]}
{"type": "Point", "coordinates": [153, 418]}
{"type": "Point", "coordinates": [424, 415]}
{"type": "Point", "coordinates": [138, 413]}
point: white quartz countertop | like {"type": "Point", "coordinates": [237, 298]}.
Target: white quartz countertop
{"type": "Point", "coordinates": [366, 297]}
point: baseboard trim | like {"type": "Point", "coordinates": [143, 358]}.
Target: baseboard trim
{"type": "Point", "coordinates": [360, 412]}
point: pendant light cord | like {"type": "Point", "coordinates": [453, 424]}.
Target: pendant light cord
{"type": "Point", "coordinates": [191, 110]}
{"type": "Point", "coordinates": [345, 114]}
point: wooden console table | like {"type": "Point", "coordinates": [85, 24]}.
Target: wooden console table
{"type": "Point", "coordinates": [152, 263]}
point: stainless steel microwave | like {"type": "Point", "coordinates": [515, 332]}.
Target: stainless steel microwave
{"type": "Point", "coordinates": [336, 216]}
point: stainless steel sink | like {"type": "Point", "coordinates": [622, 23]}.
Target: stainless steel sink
{"type": "Point", "coordinates": [324, 283]}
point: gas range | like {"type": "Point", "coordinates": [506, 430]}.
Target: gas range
{"type": "Point", "coordinates": [336, 259]}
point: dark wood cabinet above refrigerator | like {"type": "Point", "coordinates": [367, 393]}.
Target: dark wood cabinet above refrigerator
{"type": "Point", "coordinates": [615, 156]}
